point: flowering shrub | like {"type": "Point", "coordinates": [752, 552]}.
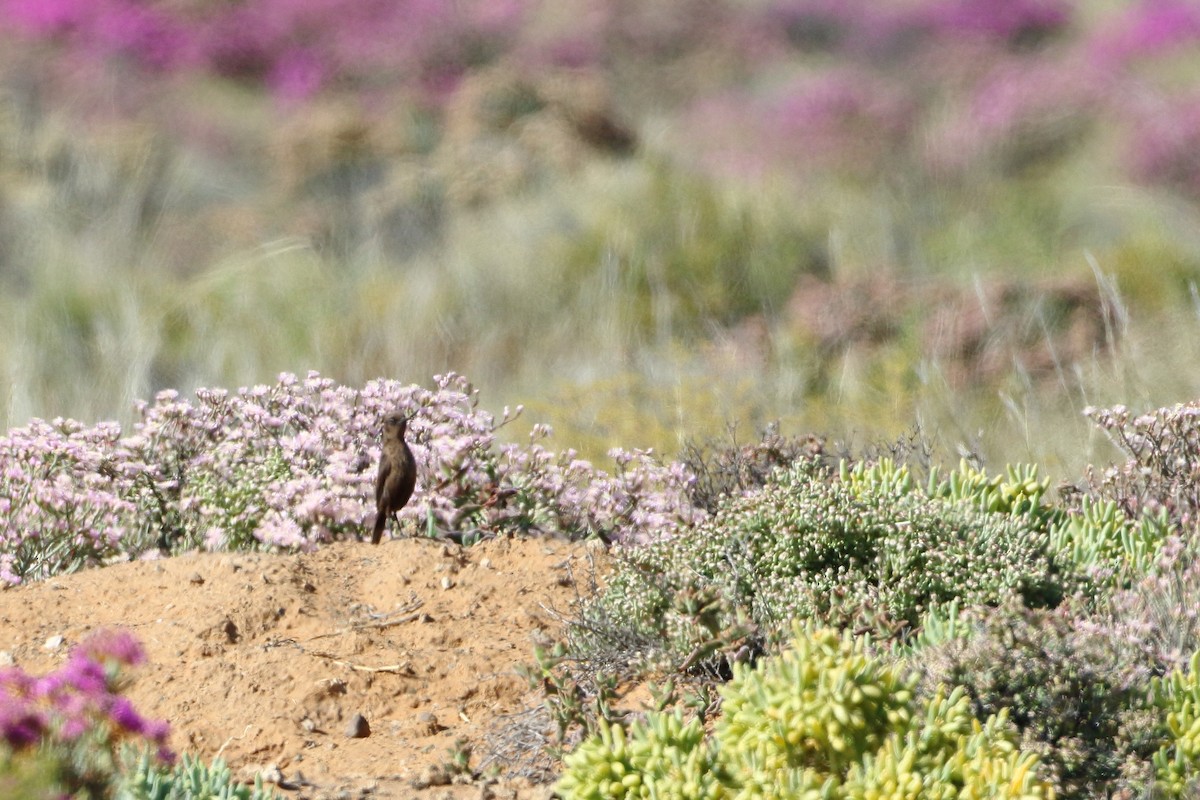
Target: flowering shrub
{"type": "Point", "coordinates": [1163, 473]}
{"type": "Point", "coordinates": [61, 507]}
{"type": "Point", "coordinates": [290, 45]}
{"type": "Point", "coordinates": [1007, 83]}
{"type": "Point", "coordinates": [293, 465]}
{"type": "Point", "coordinates": [1157, 619]}
{"type": "Point", "coordinates": [73, 722]}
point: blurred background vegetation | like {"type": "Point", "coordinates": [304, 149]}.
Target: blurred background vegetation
{"type": "Point", "coordinates": [648, 222]}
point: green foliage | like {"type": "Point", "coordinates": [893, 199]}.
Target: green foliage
{"type": "Point", "coordinates": [940, 624]}
{"type": "Point", "coordinates": [1103, 543]}
{"type": "Point", "coordinates": [824, 720]}
{"type": "Point", "coordinates": [233, 498]}
{"type": "Point", "coordinates": [36, 777]}
{"type": "Point", "coordinates": [190, 779]}
{"type": "Point", "coordinates": [878, 478]}
{"type": "Point", "coordinates": [1177, 763]}
{"type": "Point", "coordinates": [853, 553]}
{"type": "Point", "coordinates": [1017, 493]}
{"type": "Point", "coordinates": [1069, 692]}
{"type": "Point", "coordinates": [813, 711]}
{"type": "Point", "coordinates": [949, 755]}
{"type": "Point", "coordinates": [661, 757]}
{"type": "Point", "coordinates": [568, 703]}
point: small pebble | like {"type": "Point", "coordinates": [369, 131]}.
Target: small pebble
{"type": "Point", "coordinates": [53, 643]}
{"type": "Point", "coordinates": [358, 728]}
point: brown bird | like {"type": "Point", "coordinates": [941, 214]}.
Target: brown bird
{"type": "Point", "coordinates": [397, 473]}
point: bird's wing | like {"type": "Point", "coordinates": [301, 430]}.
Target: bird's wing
{"type": "Point", "coordinates": [385, 468]}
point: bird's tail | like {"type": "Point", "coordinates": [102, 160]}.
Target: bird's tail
{"type": "Point", "coordinates": [380, 524]}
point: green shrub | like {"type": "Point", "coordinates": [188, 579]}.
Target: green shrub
{"type": "Point", "coordinates": [1068, 689]}
{"type": "Point", "coordinates": [864, 554]}
{"type": "Point", "coordinates": [949, 755]}
{"type": "Point", "coordinates": [1109, 549]}
{"type": "Point", "coordinates": [823, 720]}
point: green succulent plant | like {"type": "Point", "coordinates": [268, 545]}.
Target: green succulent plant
{"type": "Point", "coordinates": [1017, 493]}
{"type": "Point", "coordinates": [1106, 546]}
{"type": "Point", "coordinates": [662, 757]}
{"type": "Point", "coordinates": [1177, 695]}
{"type": "Point", "coordinates": [190, 779]}
{"type": "Point", "coordinates": [825, 720]}
{"type": "Point", "coordinates": [949, 754]}
{"type": "Point", "coordinates": [819, 706]}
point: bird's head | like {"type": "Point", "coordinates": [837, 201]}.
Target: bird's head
{"type": "Point", "coordinates": [395, 424]}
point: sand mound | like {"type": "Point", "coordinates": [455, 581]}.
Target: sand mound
{"type": "Point", "coordinates": [268, 659]}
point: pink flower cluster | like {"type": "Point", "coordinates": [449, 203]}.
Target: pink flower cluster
{"type": "Point", "coordinates": [79, 699]}
{"type": "Point", "coordinates": [945, 83]}
{"type": "Point", "coordinates": [1163, 472]}
{"type": "Point", "coordinates": [293, 46]}
{"type": "Point", "coordinates": [950, 86]}
{"type": "Point", "coordinates": [61, 503]}
{"type": "Point", "coordinates": [292, 465]}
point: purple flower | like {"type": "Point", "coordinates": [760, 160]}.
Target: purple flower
{"type": "Point", "coordinates": [63, 706]}
{"type": "Point", "coordinates": [1147, 29]}
{"type": "Point", "coordinates": [125, 717]}
{"type": "Point", "coordinates": [21, 725]}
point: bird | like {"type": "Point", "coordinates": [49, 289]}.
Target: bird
{"type": "Point", "coordinates": [397, 473]}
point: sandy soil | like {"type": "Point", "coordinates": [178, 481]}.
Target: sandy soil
{"type": "Point", "coordinates": [267, 659]}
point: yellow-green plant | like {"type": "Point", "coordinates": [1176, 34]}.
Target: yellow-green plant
{"type": "Point", "coordinates": [662, 757]}
{"type": "Point", "coordinates": [949, 754]}
{"type": "Point", "coordinates": [1018, 492]}
{"type": "Point", "coordinates": [819, 706]}
{"type": "Point", "coordinates": [883, 477]}
{"type": "Point", "coordinates": [1178, 695]}
{"type": "Point", "coordinates": [826, 720]}
{"type": "Point", "coordinates": [1107, 546]}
